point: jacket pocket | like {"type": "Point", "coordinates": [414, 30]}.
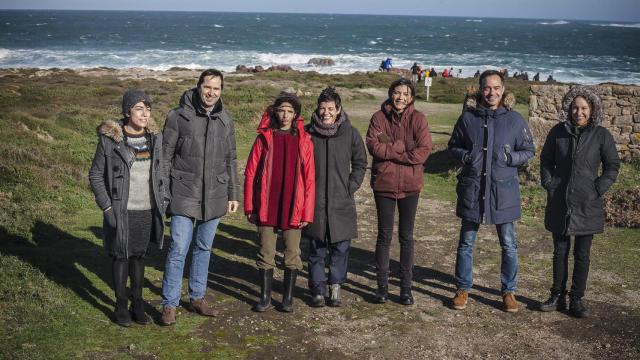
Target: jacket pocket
{"type": "Point", "coordinates": [507, 193]}
{"type": "Point", "coordinates": [222, 178]}
{"type": "Point", "coordinates": [468, 189]}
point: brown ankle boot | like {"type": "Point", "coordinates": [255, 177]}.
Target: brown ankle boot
{"type": "Point", "coordinates": [201, 307]}
{"type": "Point", "coordinates": [168, 315]}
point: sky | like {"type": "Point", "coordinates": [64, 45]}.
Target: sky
{"type": "Point", "coordinates": [604, 10]}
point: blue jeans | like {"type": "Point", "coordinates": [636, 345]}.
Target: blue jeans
{"type": "Point", "coordinates": [464, 258]}
{"type": "Point", "coordinates": [182, 235]}
{"type": "Point", "coordinates": [338, 260]}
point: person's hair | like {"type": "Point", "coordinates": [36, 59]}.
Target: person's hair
{"type": "Point", "coordinates": [211, 72]}
{"type": "Point", "coordinates": [488, 73]}
{"type": "Point", "coordinates": [285, 97]}
{"type": "Point", "coordinates": [402, 82]}
{"type": "Point", "coordinates": [330, 94]}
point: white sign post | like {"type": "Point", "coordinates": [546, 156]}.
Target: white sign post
{"type": "Point", "coordinates": [427, 83]}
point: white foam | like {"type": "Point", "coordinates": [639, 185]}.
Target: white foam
{"type": "Point", "coordinates": [636, 26]}
{"type": "Point", "coordinates": [217, 26]}
{"type": "Point", "coordinates": [558, 22]}
{"type": "Point", "coordinates": [474, 20]}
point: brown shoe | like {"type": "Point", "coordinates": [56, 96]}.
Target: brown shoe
{"type": "Point", "coordinates": [168, 315]}
{"type": "Point", "coordinates": [510, 303]}
{"type": "Point", "coordinates": [201, 307]}
{"type": "Point", "coordinates": [460, 300]}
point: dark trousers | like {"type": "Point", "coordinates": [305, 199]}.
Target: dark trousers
{"type": "Point", "coordinates": [338, 259]}
{"type": "Point", "coordinates": [581, 249]}
{"type": "Point", "coordinates": [385, 208]}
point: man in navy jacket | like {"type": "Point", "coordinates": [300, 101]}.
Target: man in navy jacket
{"type": "Point", "coordinates": [491, 140]}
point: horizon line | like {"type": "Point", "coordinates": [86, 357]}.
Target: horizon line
{"type": "Point", "coordinates": [318, 13]}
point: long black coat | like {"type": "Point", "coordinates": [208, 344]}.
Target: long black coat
{"type": "Point", "coordinates": [109, 178]}
{"type": "Point", "coordinates": [200, 156]}
{"type": "Point", "coordinates": [569, 165]}
{"type": "Point", "coordinates": [340, 164]}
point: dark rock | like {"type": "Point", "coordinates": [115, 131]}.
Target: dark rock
{"type": "Point", "coordinates": [321, 61]}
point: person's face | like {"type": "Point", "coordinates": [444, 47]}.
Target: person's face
{"type": "Point", "coordinates": [492, 91]}
{"type": "Point", "coordinates": [328, 112]}
{"type": "Point", "coordinates": [285, 114]}
{"type": "Point", "coordinates": [401, 97]}
{"type": "Point", "coordinates": [139, 116]}
{"type": "Point", "coordinates": [210, 90]}
{"type": "Point", "coordinates": [580, 111]}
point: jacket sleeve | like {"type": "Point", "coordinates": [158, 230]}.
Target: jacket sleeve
{"type": "Point", "coordinates": [250, 172]}
{"type": "Point", "coordinates": [96, 177]}
{"type": "Point", "coordinates": [232, 165]}
{"type": "Point", "coordinates": [309, 169]}
{"type": "Point", "coordinates": [358, 161]}
{"type": "Point", "coordinates": [457, 145]}
{"type": "Point", "coordinates": [524, 147]}
{"type": "Point", "coordinates": [548, 159]}
{"type": "Point", "coordinates": [170, 135]}
{"type": "Point", "coordinates": [419, 154]}
{"type": "Point", "coordinates": [610, 164]}
{"type": "Point", "coordinates": [383, 151]}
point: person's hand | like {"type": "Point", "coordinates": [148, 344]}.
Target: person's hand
{"type": "Point", "coordinates": [384, 138]}
{"type": "Point", "coordinates": [303, 224]}
{"type": "Point", "coordinates": [110, 217]}
{"type": "Point", "coordinates": [251, 218]}
{"type": "Point", "coordinates": [233, 206]}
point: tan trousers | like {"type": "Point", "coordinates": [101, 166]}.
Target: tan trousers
{"type": "Point", "coordinates": [266, 257]}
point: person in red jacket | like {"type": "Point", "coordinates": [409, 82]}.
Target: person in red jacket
{"type": "Point", "coordinates": [279, 192]}
{"type": "Point", "coordinates": [399, 141]}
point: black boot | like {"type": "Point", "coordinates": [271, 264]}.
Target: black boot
{"type": "Point", "coordinates": [382, 293]}
{"type": "Point", "coordinates": [136, 273]}
{"type": "Point", "coordinates": [289, 286]}
{"type": "Point", "coordinates": [577, 309]}
{"type": "Point", "coordinates": [556, 301]}
{"type": "Point", "coordinates": [120, 270]}
{"type": "Point", "coordinates": [266, 281]}
{"type": "Point", "coordinates": [405, 296]}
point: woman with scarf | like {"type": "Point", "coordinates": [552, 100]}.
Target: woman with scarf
{"type": "Point", "coordinates": [572, 155]}
{"type": "Point", "coordinates": [279, 193]}
{"type": "Point", "coordinates": [398, 138]}
{"type": "Point", "coordinates": [340, 164]}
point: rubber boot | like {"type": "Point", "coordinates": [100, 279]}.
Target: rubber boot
{"type": "Point", "coordinates": [289, 286]}
{"type": "Point", "coordinates": [266, 282]}
{"type": "Point", "coordinates": [120, 270]}
{"type": "Point", "coordinates": [136, 274]}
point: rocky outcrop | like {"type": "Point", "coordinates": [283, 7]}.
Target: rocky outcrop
{"type": "Point", "coordinates": [321, 61]}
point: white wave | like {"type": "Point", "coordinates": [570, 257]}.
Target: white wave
{"type": "Point", "coordinates": [371, 42]}
{"type": "Point", "coordinates": [217, 26]}
{"type": "Point", "coordinates": [636, 26]}
{"type": "Point", "coordinates": [474, 20]}
{"type": "Point", "coordinates": [41, 24]}
{"type": "Point", "coordinates": [558, 22]}
{"type": "Point", "coordinates": [4, 53]}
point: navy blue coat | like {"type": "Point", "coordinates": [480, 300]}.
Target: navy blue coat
{"type": "Point", "coordinates": [490, 144]}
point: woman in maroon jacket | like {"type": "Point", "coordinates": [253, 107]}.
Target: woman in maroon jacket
{"type": "Point", "coordinates": [279, 191]}
{"type": "Point", "coordinates": [399, 141]}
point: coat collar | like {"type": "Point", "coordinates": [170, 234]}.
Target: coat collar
{"type": "Point", "coordinates": [113, 129]}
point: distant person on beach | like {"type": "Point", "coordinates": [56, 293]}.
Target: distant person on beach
{"type": "Point", "coordinates": [340, 165]}
{"type": "Point", "coordinates": [445, 73]}
{"type": "Point", "coordinates": [536, 77]}
{"type": "Point", "coordinates": [415, 72]}
{"type": "Point", "coordinates": [279, 193]}
{"type": "Point", "coordinates": [550, 78]}
{"type": "Point", "coordinates": [381, 68]}
{"type": "Point", "coordinates": [433, 72]}
{"type": "Point", "coordinates": [477, 74]}
{"type": "Point", "coordinates": [398, 138]}
{"type": "Point", "coordinates": [127, 180]}
{"type": "Point", "coordinates": [574, 151]}
{"type": "Point", "coordinates": [200, 155]}
{"type": "Point", "coordinates": [388, 65]}
{"type": "Point", "coordinates": [490, 140]}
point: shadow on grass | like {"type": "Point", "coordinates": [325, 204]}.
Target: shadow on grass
{"type": "Point", "coordinates": [55, 253]}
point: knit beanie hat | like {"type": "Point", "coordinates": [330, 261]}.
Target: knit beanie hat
{"type": "Point", "coordinates": [132, 97]}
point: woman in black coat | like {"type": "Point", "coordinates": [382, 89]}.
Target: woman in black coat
{"type": "Point", "coordinates": [128, 181]}
{"type": "Point", "coordinates": [569, 170]}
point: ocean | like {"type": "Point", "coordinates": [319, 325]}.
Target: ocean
{"type": "Point", "coordinates": [586, 52]}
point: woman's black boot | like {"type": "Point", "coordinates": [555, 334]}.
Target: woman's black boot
{"type": "Point", "coordinates": [136, 273]}
{"type": "Point", "coordinates": [556, 301]}
{"type": "Point", "coordinates": [120, 271]}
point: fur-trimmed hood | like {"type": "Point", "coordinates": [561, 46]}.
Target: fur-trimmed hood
{"type": "Point", "coordinates": [113, 129]}
{"type": "Point", "coordinates": [473, 100]}
{"type": "Point", "coordinates": [589, 93]}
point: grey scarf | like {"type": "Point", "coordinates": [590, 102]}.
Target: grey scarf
{"type": "Point", "coordinates": [327, 130]}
